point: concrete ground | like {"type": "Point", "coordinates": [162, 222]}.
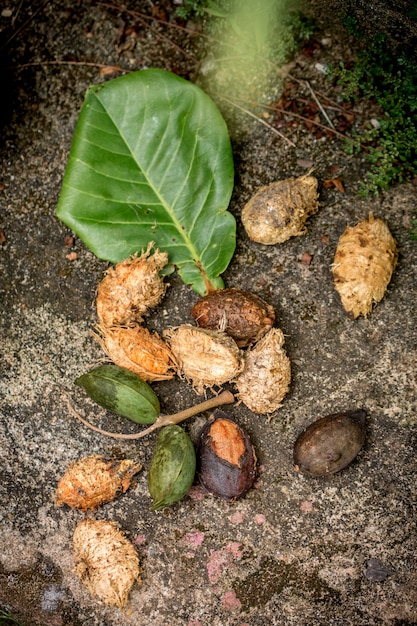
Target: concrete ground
{"type": "Point", "coordinates": [295, 550]}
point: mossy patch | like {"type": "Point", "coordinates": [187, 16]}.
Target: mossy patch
{"type": "Point", "coordinates": [273, 577]}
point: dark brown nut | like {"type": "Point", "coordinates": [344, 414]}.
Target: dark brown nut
{"type": "Point", "coordinates": [330, 444]}
{"type": "Point", "coordinates": [226, 458]}
{"type": "Point", "coordinates": [241, 314]}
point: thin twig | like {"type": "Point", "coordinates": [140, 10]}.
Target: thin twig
{"type": "Point", "coordinates": [141, 18]}
{"type": "Point", "coordinates": [317, 101]}
{"type": "Point", "coordinates": [226, 397]}
{"type": "Point", "coordinates": [271, 107]}
{"type": "Point", "coordinates": [258, 119]}
{"type": "Point", "coordinates": [117, 68]}
{"type": "Point", "coordinates": [23, 26]}
{"type": "Point", "coordinates": [174, 25]}
{"type": "Point", "coordinates": [300, 81]}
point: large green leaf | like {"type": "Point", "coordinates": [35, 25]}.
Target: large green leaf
{"type": "Point", "coordinates": [151, 160]}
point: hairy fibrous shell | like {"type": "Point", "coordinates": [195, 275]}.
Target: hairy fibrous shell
{"type": "Point", "coordinates": [241, 314]}
{"type": "Point", "coordinates": [267, 374]}
{"type": "Point", "coordinates": [138, 350]}
{"type": "Point", "coordinates": [130, 288]}
{"type": "Point", "coordinates": [106, 562]}
{"type": "Point", "coordinates": [280, 210]}
{"type": "Point", "coordinates": [207, 358]}
{"type": "Point", "coordinates": [365, 259]}
{"type": "Point", "coordinates": [94, 480]}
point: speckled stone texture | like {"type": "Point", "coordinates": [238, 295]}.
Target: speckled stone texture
{"type": "Point", "coordinates": [295, 550]}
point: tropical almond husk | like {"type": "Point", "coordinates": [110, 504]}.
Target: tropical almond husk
{"type": "Point", "coordinates": [138, 350]}
{"type": "Point", "coordinates": [364, 262]}
{"type": "Point", "coordinates": [95, 480]}
{"type": "Point", "coordinates": [241, 314]}
{"type": "Point", "coordinates": [106, 562]}
{"type": "Point", "coordinates": [265, 381]}
{"type": "Point", "coordinates": [206, 358]}
{"type": "Point", "coordinates": [131, 288]}
{"type": "Point", "coordinates": [280, 210]}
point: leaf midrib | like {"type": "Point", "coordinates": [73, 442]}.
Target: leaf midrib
{"type": "Point", "coordinates": [179, 229]}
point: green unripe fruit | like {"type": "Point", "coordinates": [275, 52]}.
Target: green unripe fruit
{"type": "Point", "coordinates": [172, 468]}
{"type": "Point", "coordinates": [121, 391]}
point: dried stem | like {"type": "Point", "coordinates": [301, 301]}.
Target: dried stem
{"type": "Point", "coordinates": [226, 397]}
{"type": "Point", "coordinates": [272, 107]}
{"type": "Point", "coordinates": [317, 101]}
{"type": "Point", "coordinates": [142, 19]}
{"type": "Point", "coordinates": [261, 121]}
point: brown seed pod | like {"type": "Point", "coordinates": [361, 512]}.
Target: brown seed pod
{"type": "Point", "coordinates": [94, 480]}
{"type": "Point", "coordinates": [226, 458]}
{"type": "Point", "coordinates": [130, 288]}
{"type": "Point", "coordinates": [365, 259]}
{"type": "Point", "coordinates": [279, 211]}
{"type": "Point", "coordinates": [241, 314]}
{"type": "Point", "coordinates": [329, 444]}
{"type": "Point", "coordinates": [267, 374]}
{"type": "Point", "coordinates": [136, 349]}
{"type": "Point", "coordinates": [207, 358]}
{"type": "Point", "coordinates": [106, 562]}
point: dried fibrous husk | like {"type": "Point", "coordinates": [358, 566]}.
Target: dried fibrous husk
{"type": "Point", "coordinates": [280, 210]}
{"type": "Point", "coordinates": [267, 375]}
{"type": "Point", "coordinates": [207, 358]}
{"type": "Point", "coordinates": [130, 288]}
{"type": "Point", "coordinates": [365, 259]}
{"type": "Point", "coordinates": [241, 314]}
{"type": "Point", "coordinates": [94, 480]}
{"type": "Point", "coordinates": [138, 350]}
{"type": "Point", "coordinates": [106, 562]}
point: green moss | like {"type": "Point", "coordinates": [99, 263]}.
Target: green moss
{"type": "Point", "coordinates": [6, 619]}
{"type": "Point", "coordinates": [273, 577]}
{"type": "Point", "coordinates": [388, 79]}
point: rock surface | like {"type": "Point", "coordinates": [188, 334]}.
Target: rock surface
{"type": "Point", "coordinates": [295, 550]}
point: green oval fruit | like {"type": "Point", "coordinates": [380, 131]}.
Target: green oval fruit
{"type": "Point", "coordinates": [121, 391]}
{"type": "Point", "coordinates": [172, 468]}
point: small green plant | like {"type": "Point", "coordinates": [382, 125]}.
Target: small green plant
{"type": "Point", "coordinates": [388, 80]}
{"type": "Point", "coordinates": [7, 619]}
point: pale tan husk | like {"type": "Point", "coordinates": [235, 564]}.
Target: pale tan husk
{"type": "Point", "coordinates": [365, 259]}
{"type": "Point", "coordinates": [106, 562]}
{"type": "Point", "coordinates": [94, 480]}
{"type": "Point", "coordinates": [131, 288]}
{"type": "Point", "coordinates": [265, 381]}
{"type": "Point", "coordinates": [138, 350]}
{"type": "Point", "coordinates": [207, 358]}
{"type": "Point", "coordinates": [280, 210]}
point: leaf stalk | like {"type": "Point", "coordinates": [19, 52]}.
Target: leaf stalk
{"type": "Point", "coordinates": [226, 397]}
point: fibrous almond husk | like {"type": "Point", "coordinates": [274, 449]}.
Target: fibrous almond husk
{"type": "Point", "coordinates": [138, 350]}
{"type": "Point", "coordinates": [106, 562]}
{"type": "Point", "coordinates": [267, 375]}
{"type": "Point", "coordinates": [207, 358]}
{"type": "Point", "coordinates": [280, 210]}
{"type": "Point", "coordinates": [241, 314]}
{"type": "Point", "coordinates": [94, 480]}
{"type": "Point", "coordinates": [365, 259]}
{"type": "Point", "coordinates": [131, 288]}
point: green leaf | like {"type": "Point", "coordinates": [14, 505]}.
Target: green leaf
{"type": "Point", "coordinates": [151, 160]}
{"type": "Point", "coordinates": [119, 390]}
